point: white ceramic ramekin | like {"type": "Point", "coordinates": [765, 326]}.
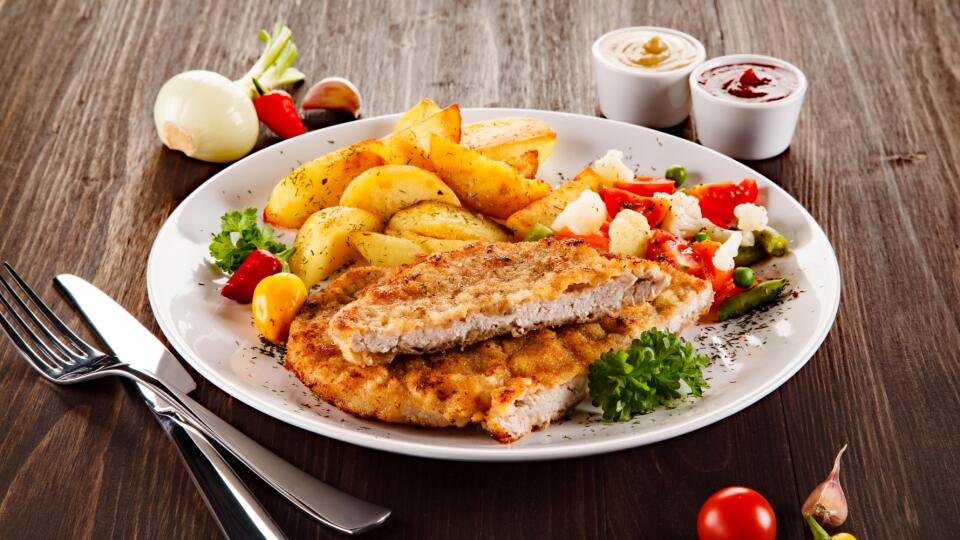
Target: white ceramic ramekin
{"type": "Point", "coordinates": [648, 98]}
{"type": "Point", "coordinates": [742, 129]}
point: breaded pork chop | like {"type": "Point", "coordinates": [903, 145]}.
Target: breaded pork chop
{"type": "Point", "coordinates": [509, 385]}
{"type": "Point", "coordinates": [458, 298]}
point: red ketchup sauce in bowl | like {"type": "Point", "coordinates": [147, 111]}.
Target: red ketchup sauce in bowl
{"type": "Point", "coordinates": [749, 82]}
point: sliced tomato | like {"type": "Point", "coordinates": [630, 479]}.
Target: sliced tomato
{"type": "Point", "coordinates": [597, 240]}
{"type": "Point", "coordinates": [717, 201]}
{"type": "Point", "coordinates": [655, 210]}
{"type": "Point", "coordinates": [666, 248]}
{"type": "Point", "coordinates": [647, 186]}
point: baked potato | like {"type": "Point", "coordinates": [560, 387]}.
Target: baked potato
{"type": "Point", "coordinates": [545, 210]}
{"type": "Point", "coordinates": [322, 244]}
{"type": "Point", "coordinates": [506, 139]}
{"type": "Point", "coordinates": [318, 184]}
{"type": "Point", "coordinates": [382, 250]}
{"type": "Point", "coordinates": [386, 189]}
{"type": "Point", "coordinates": [410, 146]}
{"type": "Point", "coordinates": [526, 164]}
{"type": "Point", "coordinates": [424, 109]}
{"type": "Point", "coordinates": [431, 245]}
{"type": "Point", "coordinates": [440, 220]}
{"type": "Point", "coordinates": [491, 187]}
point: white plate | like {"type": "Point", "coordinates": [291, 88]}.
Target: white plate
{"type": "Point", "coordinates": [752, 359]}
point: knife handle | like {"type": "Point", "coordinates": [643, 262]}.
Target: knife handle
{"type": "Point", "coordinates": [330, 506]}
{"type": "Point", "coordinates": [238, 513]}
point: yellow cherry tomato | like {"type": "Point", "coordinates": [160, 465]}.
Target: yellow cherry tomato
{"type": "Point", "coordinates": [843, 536]}
{"type": "Point", "coordinates": [276, 301]}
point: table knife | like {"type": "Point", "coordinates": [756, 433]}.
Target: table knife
{"type": "Point", "coordinates": [133, 344]}
{"type": "Point", "coordinates": [236, 510]}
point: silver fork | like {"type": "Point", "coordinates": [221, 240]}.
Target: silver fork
{"type": "Point", "coordinates": [62, 357]}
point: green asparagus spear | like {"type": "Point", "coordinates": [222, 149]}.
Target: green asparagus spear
{"type": "Point", "coordinates": [772, 242]}
{"type": "Point", "coordinates": [762, 294]}
{"type": "Point", "coordinates": [749, 255]}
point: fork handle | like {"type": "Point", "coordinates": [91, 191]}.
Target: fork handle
{"type": "Point", "coordinates": [330, 506]}
{"type": "Point", "coordinates": [238, 513]}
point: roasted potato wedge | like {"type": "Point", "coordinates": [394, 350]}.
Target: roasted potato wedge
{"type": "Point", "coordinates": [322, 243]}
{"type": "Point", "coordinates": [526, 164]}
{"type": "Point", "coordinates": [424, 109]}
{"type": "Point", "coordinates": [545, 210]}
{"type": "Point", "coordinates": [386, 189]}
{"type": "Point", "coordinates": [410, 146]}
{"type": "Point", "coordinates": [506, 139]}
{"type": "Point", "coordinates": [382, 250]}
{"type": "Point", "coordinates": [431, 245]}
{"type": "Point", "coordinates": [439, 220]}
{"type": "Point", "coordinates": [318, 184]}
{"type": "Point", "coordinates": [491, 187]}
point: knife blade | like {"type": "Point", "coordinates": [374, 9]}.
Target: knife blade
{"type": "Point", "coordinates": [123, 333]}
{"type": "Point", "coordinates": [236, 510]}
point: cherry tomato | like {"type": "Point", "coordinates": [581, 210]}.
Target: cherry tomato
{"type": "Point", "coordinates": [276, 301]}
{"type": "Point", "coordinates": [722, 280]}
{"type": "Point", "coordinates": [677, 252]}
{"type": "Point", "coordinates": [647, 186]}
{"type": "Point", "coordinates": [736, 513]}
{"type": "Point", "coordinates": [718, 200]}
{"type": "Point", "coordinates": [655, 210]}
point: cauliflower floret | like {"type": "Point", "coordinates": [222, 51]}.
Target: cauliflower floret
{"type": "Point", "coordinates": [611, 167]}
{"type": "Point", "coordinates": [750, 217]}
{"type": "Point", "coordinates": [684, 219]}
{"type": "Point", "coordinates": [629, 232]}
{"type": "Point", "coordinates": [723, 258]}
{"type": "Point", "coordinates": [584, 215]}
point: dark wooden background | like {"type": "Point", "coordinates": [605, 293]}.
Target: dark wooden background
{"type": "Point", "coordinates": [85, 184]}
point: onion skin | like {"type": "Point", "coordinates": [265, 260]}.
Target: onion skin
{"type": "Point", "coordinates": [206, 116]}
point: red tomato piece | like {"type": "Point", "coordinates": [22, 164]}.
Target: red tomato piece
{"type": "Point", "coordinates": [647, 186]}
{"type": "Point", "coordinates": [655, 210]}
{"type": "Point", "coordinates": [596, 240]}
{"type": "Point", "coordinates": [717, 201]}
{"type": "Point", "coordinates": [722, 280]}
{"type": "Point", "coordinates": [666, 248]}
{"type": "Point", "coordinates": [736, 513]}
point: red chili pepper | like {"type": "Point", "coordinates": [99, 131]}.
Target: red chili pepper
{"type": "Point", "coordinates": [259, 264]}
{"type": "Point", "coordinates": [277, 110]}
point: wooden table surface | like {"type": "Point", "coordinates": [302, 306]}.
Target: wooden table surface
{"type": "Point", "coordinates": [85, 185]}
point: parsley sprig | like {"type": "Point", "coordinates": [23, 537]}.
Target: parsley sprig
{"type": "Point", "coordinates": [645, 375]}
{"type": "Point", "coordinates": [239, 235]}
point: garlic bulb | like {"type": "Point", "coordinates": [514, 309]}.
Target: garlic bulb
{"type": "Point", "coordinates": [334, 94]}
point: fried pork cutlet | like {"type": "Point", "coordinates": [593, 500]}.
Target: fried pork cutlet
{"type": "Point", "coordinates": [462, 297]}
{"type": "Point", "coordinates": [510, 385]}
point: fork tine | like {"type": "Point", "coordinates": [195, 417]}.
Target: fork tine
{"type": "Point", "coordinates": [36, 361]}
{"type": "Point", "coordinates": [75, 340]}
{"type": "Point", "coordinates": [52, 357]}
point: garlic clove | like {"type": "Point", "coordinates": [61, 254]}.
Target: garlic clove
{"type": "Point", "coordinates": [333, 93]}
{"type": "Point", "coordinates": [827, 502]}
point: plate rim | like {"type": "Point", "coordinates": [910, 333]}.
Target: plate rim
{"type": "Point", "coordinates": [493, 453]}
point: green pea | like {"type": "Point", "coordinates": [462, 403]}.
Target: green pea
{"type": "Point", "coordinates": [762, 294]}
{"type": "Point", "coordinates": [537, 232]}
{"type": "Point", "coordinates": [743, 276]}
{"type": "Point", "coordinates": [701, 236]}
{"type": "Point", "coordinates": [677, 173]}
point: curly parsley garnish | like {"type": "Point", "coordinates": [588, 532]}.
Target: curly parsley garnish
{"type": "Point", "coordinates": [645, 375]}
{"type": "Point", "coordinates": [239, 235]}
